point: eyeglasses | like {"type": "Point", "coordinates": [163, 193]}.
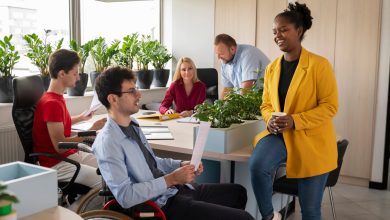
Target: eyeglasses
{"type": "Point", "coordinates": [131, 91]}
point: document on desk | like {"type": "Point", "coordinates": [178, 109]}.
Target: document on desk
{"type": "Point", "coordinates": [200, 143]}
{"type": "Point", "coordinates": [157, 132]}
{"type": "Point", "coordinates": [191, 120]}
{"type": "Point", "coordinates": [82, 126]}
{"type": "Point", "coordinates": [95, 105]}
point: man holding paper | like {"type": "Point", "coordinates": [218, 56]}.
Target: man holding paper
{"type": "Point", "coordinates": [134, 174]}
{"type": "Point", "coordinates": [52, 122]}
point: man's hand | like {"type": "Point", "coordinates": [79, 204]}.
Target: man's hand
{"type": "Point", "coordinates": [97, 125]}
{"type": "Point", "coordinates": [182, 175]}
{"type": "Point", "coordinates": [198, 171]}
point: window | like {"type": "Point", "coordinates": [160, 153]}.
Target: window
{"type": "Point", "coordinates": [116, 19]}
{"type": "Point", "coordinates": [20, 17]}
{"type": "Point", "coordinates": [112, 19]}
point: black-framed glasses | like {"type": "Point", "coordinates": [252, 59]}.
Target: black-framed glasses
{"type": "Point", "coordinates": [131, 91]}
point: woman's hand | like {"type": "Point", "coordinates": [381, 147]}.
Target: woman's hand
{"type": "Point", "coordinates": [186, 113]}
{"type": "Point", "coordinates": [280, 124]}
{"type": "Point", "coordinates": [170, 111]}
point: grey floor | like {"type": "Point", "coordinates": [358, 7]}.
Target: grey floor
{"type": "Point", "coordinates": [353, 203]}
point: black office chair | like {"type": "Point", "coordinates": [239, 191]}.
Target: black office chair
{"type": "Point", "coordinates": [209, 76]}
{"type": "Point", "coordinates": [288, 186]}
{"type": "Point", "coordinates": [27, 91]}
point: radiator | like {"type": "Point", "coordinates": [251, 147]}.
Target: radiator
{"type": "Point", "coordinates": [10, 147]}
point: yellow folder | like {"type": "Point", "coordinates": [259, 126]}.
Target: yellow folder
{"type": "Point", "coordinates": [160, 116]}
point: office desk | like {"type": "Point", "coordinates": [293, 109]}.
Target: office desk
{"type": "Point", "coordinates": [55, 213]}
{"type": "Point", "coordinates": [183, 142]}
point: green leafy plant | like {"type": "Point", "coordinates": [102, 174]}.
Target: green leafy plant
{"type": "Point", "coordinates": [39, 51]}
{"type": "Point", "coordinates": [127, 53]}
{"type": "Point", "coordinates": [143, 57]}
{"type": "Point", "coordinates": [159, 55]}
{"type": "Point", "coordinates": [233, 109]}
{"type": "Point", "coordinates": [83, 51]}
{"type": "Point", "coordinates": [102, 54]}
{"type": "Point", "coordinates": [8, 56]}
{"type": "Point", "coordinates": [6, 196]}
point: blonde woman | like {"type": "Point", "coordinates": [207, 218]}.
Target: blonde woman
{"type": "Point", "coordinates": [186, 91]}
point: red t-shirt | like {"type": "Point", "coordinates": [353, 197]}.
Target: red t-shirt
{"type": "Point", "coordinates": [50, 108]}
{"type": "Point", "coordinates": [177, 93]}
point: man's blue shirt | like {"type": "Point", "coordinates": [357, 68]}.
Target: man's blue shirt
{"type": "Point", "coordinates": [125, 170]}
{"type": "Point", "coordinates": [246, 61]}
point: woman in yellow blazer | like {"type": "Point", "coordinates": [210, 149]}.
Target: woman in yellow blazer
{"type": "Point", "coordinates": [303, 85]}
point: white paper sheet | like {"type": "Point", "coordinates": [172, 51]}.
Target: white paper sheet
{"type": "Point", "coordinates": [200, 143]}
{"type": "Point", "coordinates": [95, 104]}
{"type": "Point", "coordinates": [82, 126]}
{"type": "Point", "coordinates": [191, 120]}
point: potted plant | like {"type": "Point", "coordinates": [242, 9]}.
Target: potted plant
{"type": "Point", "coordinates": [83, 52]}
{"type": "Point", "coordinates": [8, 58]}
{"type": "Point", "coordinates": [234, 120]}
{"type": "Point", "coordinates": [233, 109]}
{"type": "Point", "coordinates": [143, 59]}
{"type": "Point", "coordinates": [39, 51]}
{"type": "Point", "coordinates": [160, 56]}
{"type": "Point", "coordinates": [6, 200]}
{"type": "Point", "coordinates": [129, 49]}
{"type": "Point", "coordinates": [102, 56]}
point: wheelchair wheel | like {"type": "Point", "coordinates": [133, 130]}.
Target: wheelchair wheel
{"type": "Point", "coordinates": [90, 201]}
{"type": "Point", "coordinates": [104, 214]}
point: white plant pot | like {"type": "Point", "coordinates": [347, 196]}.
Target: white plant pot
{"type": "Point", "coordinates": [227, 140]}
{"type": "Point", "coordinates": [34, 186]}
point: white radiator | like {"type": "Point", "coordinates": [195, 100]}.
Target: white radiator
{"type": "Point", "coordinates": [10, 147]}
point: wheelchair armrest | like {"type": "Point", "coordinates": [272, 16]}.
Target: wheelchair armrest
{"type": "Point", "coordinates": [75, 145]}
{"type": "Point", "coordinates": [86, 133]}
{"type": "Point", "coordinates": [61, 158]}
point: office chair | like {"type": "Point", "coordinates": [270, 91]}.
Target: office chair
{"type": "Point", "coordinates": [288, 186]}
{"type": "Point", "coordinates": [209, 76]}
{"type": "Point", "coordinates": [27, 92]}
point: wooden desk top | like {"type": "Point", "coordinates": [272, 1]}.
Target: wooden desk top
{"type": "Point", "coordinates": [183, 141]}
{"type": "Point", "coordinates": [55, 213]}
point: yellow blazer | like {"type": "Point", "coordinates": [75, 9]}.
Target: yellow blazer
{"type": "Point", "coordinates": [312, 102]}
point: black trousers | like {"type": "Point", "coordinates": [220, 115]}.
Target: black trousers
{"type": "Point", "coordinates": [208, 202]}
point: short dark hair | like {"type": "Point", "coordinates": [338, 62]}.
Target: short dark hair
{"type": "Point", "coordinates": [225, 39]}
{"type": "Point", "coordinates": [62, 59]}
{"type": "Point", "coordinates": [299, 15]}
{"type": "Point", "coordinates": [110, 82]}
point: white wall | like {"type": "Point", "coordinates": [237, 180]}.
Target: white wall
{"type": "Point", "coordinates": [192, 30]}
{"type": "Point", "coordinates": [382, 96]}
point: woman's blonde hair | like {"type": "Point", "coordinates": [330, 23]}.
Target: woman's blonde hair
{"type": "Point", "coordinates": [177, 75]}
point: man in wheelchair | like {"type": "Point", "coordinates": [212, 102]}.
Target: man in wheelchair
{"type": "Point", "coordinates": [134, 174]}
{"type": "Point", "coordinates": [52, 122]}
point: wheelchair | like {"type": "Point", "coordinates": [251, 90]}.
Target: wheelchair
{"type": "Point", "coordinates": [102, 198]}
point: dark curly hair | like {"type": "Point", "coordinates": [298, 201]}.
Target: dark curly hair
{"type": "Point", "coordinates": [110, 82]}
{"type": "Point", "coordinates": [298, 14]}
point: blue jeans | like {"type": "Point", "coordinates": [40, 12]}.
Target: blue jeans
{"type": "Point", "coordinates": [269, 153]}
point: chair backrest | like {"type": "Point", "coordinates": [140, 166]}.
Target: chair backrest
{"type": "Point", "coordinates": [209, 76]}
{"type": "Point", "coordinates": [27, 91]}
{"type": "Point", "coordinates": [334, 175]}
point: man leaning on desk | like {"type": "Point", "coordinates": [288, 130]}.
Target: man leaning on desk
{"type": "Point", "coordinates": [134, 174]}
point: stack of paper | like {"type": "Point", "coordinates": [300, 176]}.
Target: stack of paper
{"type": "Point", "coordinates": [157, 132]}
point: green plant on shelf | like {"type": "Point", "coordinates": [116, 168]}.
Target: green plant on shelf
{"type": "Point", "coordinates": [8, 56]}
{"type": "Point", "coordinates": [39, 51]}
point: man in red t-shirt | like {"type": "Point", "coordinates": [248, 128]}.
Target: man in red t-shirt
{"type": "Point", "coordinates": [52, 122]}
